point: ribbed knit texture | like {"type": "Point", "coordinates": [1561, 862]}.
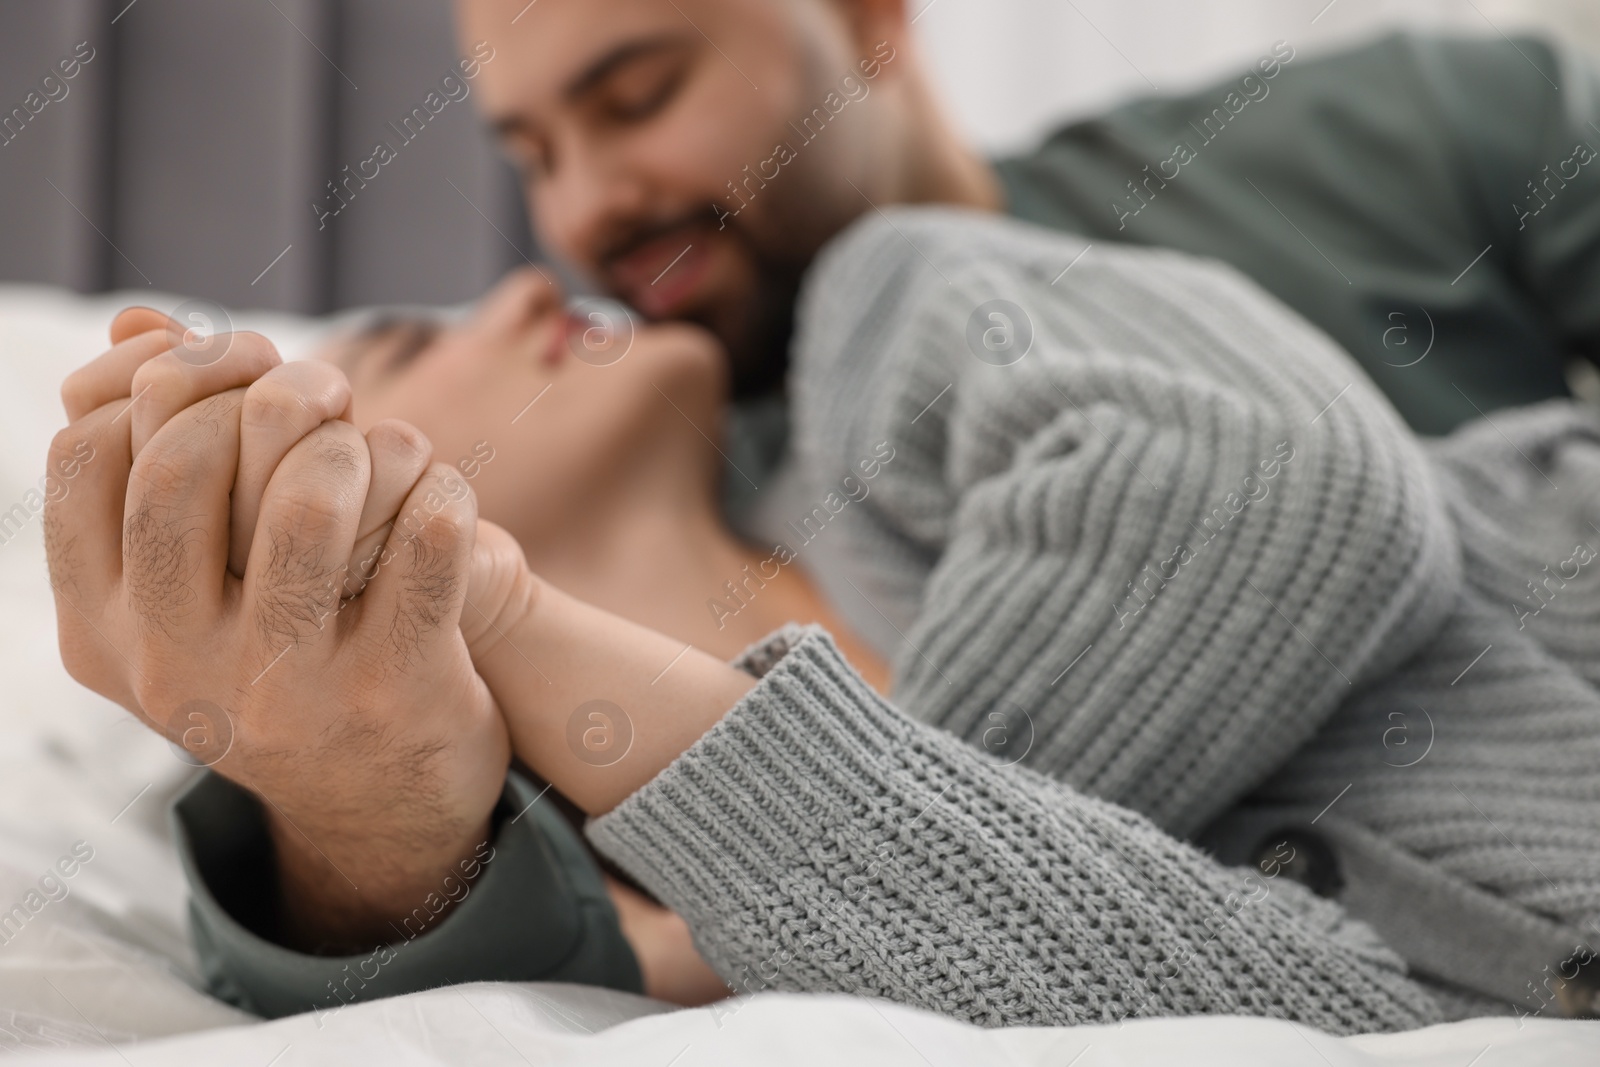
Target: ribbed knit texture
{"type": "Point", "coordinates": [1004, 538]}
{"type": "Point", "coordinates": [818, 839]}
{"type": "Point", "coordinates": [1508, 794]}
{"type": "Point", "coordinates": [1345, 604]}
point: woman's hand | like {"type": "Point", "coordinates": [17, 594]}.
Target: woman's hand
{"type": "Point", "coordinates": [673, 968]}
{"type": "Point", "coordinates": [378, 751]}
{"type": "Point", "coordinates": [597, 705]}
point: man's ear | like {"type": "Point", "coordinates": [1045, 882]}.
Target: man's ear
{"type": "Point", "coordinates": [131, 322]}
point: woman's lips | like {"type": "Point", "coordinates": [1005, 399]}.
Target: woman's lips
{"type": "Point", "coordinates": [565, 331]}
{"type": "Point", "coordinates": [662, 277]}
{"type": "Point", "coordinates": [557, 344]}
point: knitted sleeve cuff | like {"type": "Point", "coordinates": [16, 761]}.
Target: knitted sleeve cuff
{"type": "Point", "coordinates": [816, 839]}
{"type": "Point", "coordinates": [746, 801]}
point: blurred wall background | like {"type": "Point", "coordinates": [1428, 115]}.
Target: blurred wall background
{"type": "Point", "coordinates": [1013, 68]}
{"type": "Point", "coordinates": [186, 154]}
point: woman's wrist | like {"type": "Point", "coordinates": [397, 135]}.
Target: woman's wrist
{"type": "Point", "coordinates": [598, 705]}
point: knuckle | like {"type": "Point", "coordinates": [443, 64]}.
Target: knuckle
{"type": "Point", "coordinates": [432, 581]}
{"type": "Point", "coordinates": [313, 513]}
{"type": "Point", "coordinates": [60, 553]}
{"type": "Point", "coordinates": [61, 443]}
{"type": "Point", "coordinates": [450, 527]}
{"type": "Point", "coordinates": [160, 381]}
{"type": "Point", "coordinates": [68, 445]}
{"type": "Point", "coordinates": [211, 415]}
{"type": "Point", "coordinates": [278, 397]}
{"type": "Point", "coordinates": [432, 542]}
{"type": "Point", "coordinates": [460, 501]}
{"type": "Point", "coordinates": [270, 401]}
{"type": "Point", "coordinates": [434, 545]}
{"type": "Point", "coordinates": [77, 389]}
{"type": "Point", "coordinates": [332, 453]}
{"type": "Point", "coordinates": [401, 438]}
{"type": "Point", "coordinates": [77, 656]}
{"type": "Point", "coordinates": [158, 688]}
{"type": "Point", "coordinates": [256, 347]}
{"type": "Point", "coordinates": [163, 468]}
{"type": "Point", "coordinates": [441, 509]}
{"type": "Point", "coordinates": [341, 456]}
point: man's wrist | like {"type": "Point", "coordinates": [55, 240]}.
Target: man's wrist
{"type": "Point", "coordinates": [337, 895]}
{"type": "Point", "coordinates": [538, 911]}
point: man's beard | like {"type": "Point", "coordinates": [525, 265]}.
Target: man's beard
{"type": "Point", "coordinates": [758, 348]}
{"type": "Point", "coordinates": [756, 334]}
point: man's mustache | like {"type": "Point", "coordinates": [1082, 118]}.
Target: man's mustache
{"type": "Point", "coordinates": [639, 235]}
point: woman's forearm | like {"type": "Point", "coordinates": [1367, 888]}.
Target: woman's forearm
{"type": "Point", "coordinates": [598, 705]}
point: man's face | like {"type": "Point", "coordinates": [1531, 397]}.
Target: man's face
{"type": "Point", "coordinates": [691, 156]}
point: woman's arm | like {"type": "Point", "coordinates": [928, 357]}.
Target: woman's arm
{"type": "Point", "coordinates": [597, 705]}
{"type": "Point", "coordinates": [817, 839]}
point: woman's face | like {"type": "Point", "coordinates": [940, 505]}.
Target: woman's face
{"type": "Point", "coordinates": [549, 412]}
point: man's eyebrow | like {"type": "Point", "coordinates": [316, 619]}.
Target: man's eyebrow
{"type": "Point", "coordinates": [599, 70]}
{"type": "Point", "coordinates": [620, 56]}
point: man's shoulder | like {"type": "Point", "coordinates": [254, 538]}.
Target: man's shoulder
{"type": "Point", "coordinates": [1389, 78]}
{"type": "Point", "coordinates": [1401, 54]}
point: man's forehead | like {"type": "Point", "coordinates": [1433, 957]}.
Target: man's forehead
{"type": "Point", "coordinates": [545, 47]}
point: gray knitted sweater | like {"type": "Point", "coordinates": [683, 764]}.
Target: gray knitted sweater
{"type": "Point", "coordinates": [1102, 560]}
{"type": "Point", "coordinates": [1158, 540]}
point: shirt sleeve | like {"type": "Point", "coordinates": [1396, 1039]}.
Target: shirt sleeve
{"type": "Point", "coordinates": [1526, 115]}
{"type": "Point", "coordinates": [538, 911]}
{"type": "Point", "coordinates": [817, 839]}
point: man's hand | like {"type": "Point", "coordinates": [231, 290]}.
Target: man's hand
{"type": "Point", "coordinates": [377, 750]}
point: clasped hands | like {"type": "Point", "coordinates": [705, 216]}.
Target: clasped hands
{"type": "Point", "coordinates": [233, 541]}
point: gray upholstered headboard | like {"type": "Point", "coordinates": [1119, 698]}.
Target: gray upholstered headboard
{"type": "Point", "coordinates": [192, 139]}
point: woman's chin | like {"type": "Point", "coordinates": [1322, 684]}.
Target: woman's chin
{"type": "Point", "coordinates": [689, 357]}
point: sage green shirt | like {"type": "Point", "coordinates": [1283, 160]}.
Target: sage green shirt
{"type": "Point", "coordinates": [1433, 203]}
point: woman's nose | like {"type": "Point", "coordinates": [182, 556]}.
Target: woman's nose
{"type": "Point", "coordinates": [521, 298]}
{"type": "Point", "coordinates": [545, 293]}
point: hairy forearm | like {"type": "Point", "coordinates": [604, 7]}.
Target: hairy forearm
{"type": "Point", "coordinates": [347, 892]}
{"type": "Point", "coordinates": [595, 705]}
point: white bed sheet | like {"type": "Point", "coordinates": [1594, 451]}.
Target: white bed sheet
{"type": "Point", "coordinates": [105, 975]}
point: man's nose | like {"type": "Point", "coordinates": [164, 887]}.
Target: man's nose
{"type": "Point", "coordinates": [583, 212]}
